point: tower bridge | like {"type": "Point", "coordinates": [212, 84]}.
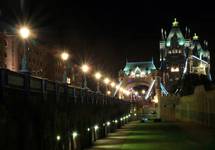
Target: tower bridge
{"type": "Point", "coordinates": [54, 115]}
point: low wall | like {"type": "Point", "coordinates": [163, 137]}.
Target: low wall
{"type": "Point", "coordinates": [167, 107]}
{"type": "Point", "coordinates": [198, 107]}
{"type": "Point", "coordinates": [37, 114]}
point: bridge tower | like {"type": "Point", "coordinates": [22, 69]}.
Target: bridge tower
{"type": "Point", "coordinates": [181, 54]}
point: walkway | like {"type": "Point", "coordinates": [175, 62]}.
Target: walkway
{"type": "Point", "coordinates": [158, 136]}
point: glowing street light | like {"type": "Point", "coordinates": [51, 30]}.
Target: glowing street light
{"type": "Point", "coordinates": [24, 32]}
{"type": "Point", "coordinates": [113, 84]}
{"type": "Point", "coordinates": [64, 56]}
{"type": "Point", "coordinates": [106, 81]}
{"type": "Point", "coordinates": [143, 91]}
{"type": "Point", "coordinates": [85, 68]}
{"type": "Point", "coordinates": [108, 92]}
{"type": "Point", "coordinates": [98, 77]}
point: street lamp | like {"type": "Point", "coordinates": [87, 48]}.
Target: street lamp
{"type": "Point", "coordinates": [24, 33]}
{"type": "Point", "coordinates": [106, 81]}
{"type": "Point", "coordinates": [108, 92]}
{"type": "Point", "coordinates": [113, 84]}
{"type": "Point", "coordinates": [85, 68]}
{"type": "Point", "coordinates": [98, 77]}
{"type": "Point", "coordinates": [64, 56]}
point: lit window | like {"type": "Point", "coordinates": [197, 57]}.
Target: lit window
{"type": "Point", "coordinates": [137, 75]}
{"type": "Point", "coordinates": [174, 69]}
{"type": "Point", "coordinates": [142, 74]}
{"type": "Point", "coordinates": [132, 74]}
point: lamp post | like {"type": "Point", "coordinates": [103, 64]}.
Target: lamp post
{"type": "Point", "coordinates": [98, 77]}
{"type": "Point", "coordinates": [113, 85]}
{"type": "Point", "coordinates": [106, 81]}
{"type": "Point", "coordinates": [24, 33]}
{"type": "Point", "coordinates": [65, 57]}
{"type": "Point", "coordinates": [85, 68]}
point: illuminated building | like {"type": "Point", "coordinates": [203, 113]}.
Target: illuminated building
{"type": "Point", "coordinates": [182, 54]}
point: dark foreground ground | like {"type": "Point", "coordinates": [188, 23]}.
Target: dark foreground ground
{"type": "Point", "coordinates": [159, 136]}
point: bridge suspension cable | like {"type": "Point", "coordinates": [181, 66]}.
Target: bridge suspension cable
{"type": "Point", "coordinates": [163, 89]}
{"type": "Point", "coordinates": [149, 90]}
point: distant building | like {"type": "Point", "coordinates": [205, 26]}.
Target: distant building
{"type": "Point", "coordinates": [11, 51]}
{"type": "Point", "coordinates": [182, 54]}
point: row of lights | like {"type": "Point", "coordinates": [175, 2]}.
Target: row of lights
{"type": "Point", "coordinates": [96, 127]}
{"type": "Point", "coordinates": [25, 32]}
{"type": "Point", "coordinates": [85, 68]}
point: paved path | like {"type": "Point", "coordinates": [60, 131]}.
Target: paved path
{"type": "Point", "coordinates": [158, 136]}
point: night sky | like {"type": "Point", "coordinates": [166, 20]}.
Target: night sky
{"type": "Point", "coordinates": [106, 32]}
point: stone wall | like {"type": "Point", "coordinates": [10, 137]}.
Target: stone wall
{"type": "Point", "coordinates": [198, 107]}
{"type": "Point", "coordinates": [167, 110]}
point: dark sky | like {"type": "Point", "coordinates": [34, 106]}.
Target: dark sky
{"type": "Point", "coordinates": [106, 32]}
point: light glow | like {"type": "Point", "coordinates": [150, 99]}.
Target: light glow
{"type": "Point", "coordinates": [108, 92]}
{"type": "Point", "coordinates": [85, 68]}
{"type": "Point", "coordinates": [24, 32]}
{"type": "Point", "coordinates": [58, 137]}
{"type": "Point", "coordinates": [113, 84]}
{"type": "Point", "coordinates": [64, 56]}
{"type": "Point", "coordinates": [74, 134]}
{"type": "Point", "coordinates": [108, 123]}
{"type": "Point", "coordinates": [176, 69]}
{"type": "Point", "coordinates": [68, 80]}
{"type": "Point", "coordinates": [106, 80]}
{"type": "Point", "coordinates": [96, 127]}
{"type": "Point", "coordinates": [98, 75]}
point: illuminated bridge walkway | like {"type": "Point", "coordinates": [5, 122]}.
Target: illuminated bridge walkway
{"type": "Point", "coordinates": [158, 136]}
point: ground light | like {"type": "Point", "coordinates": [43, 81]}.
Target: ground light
{"type": "Point", "coordinates": [74, 134]}
{"type": "Point", "coordinates": [96, 127]}
{"type": "Point", "coordinates": [108, 123]}
{"type": "Point", "coordinates": [135, 114]}
{"type": "Point", "coordinates": [58, 137]}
